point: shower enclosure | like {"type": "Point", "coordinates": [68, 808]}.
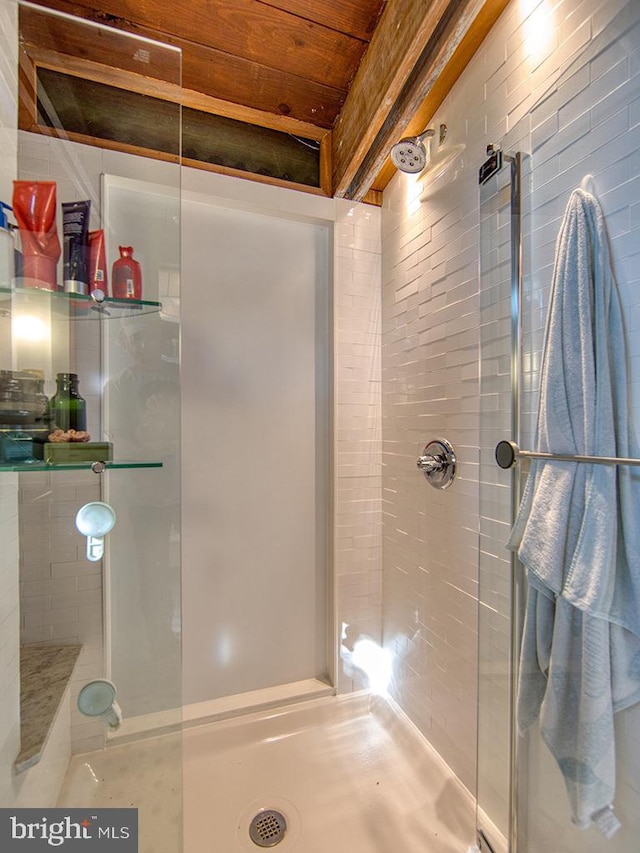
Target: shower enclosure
{"type": "Point", "coordinates": [123, 616]}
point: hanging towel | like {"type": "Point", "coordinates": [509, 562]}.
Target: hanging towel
{"type": "Point", "coordinates": [577, 531]}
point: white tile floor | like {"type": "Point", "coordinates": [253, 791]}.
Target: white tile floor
{"type": "Point", "coordinates": [349, 775]}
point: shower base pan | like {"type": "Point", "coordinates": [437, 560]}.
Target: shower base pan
{"type": "Point", "coordinates": [347, 774]}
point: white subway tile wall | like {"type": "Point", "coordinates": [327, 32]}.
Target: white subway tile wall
{"type": "Point", "coordinates": [587, 124]}
{"type": "Point", "coordinates": [429, 390]}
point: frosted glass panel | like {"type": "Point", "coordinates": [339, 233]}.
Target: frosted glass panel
{"type": "Point", "coordinates": [255, 464]}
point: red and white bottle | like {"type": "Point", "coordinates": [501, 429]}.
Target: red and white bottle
{"type": "Point", "coordinates": [126, 276]}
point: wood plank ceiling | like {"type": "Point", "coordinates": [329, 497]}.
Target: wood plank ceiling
{"type": "Point", "coordinates": [352, 74]}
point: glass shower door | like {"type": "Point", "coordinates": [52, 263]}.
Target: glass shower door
{"type": "Point", "coordinates": [531, 810]}
{"type": "Point", "coordinates": [603, 83]}
{"type": "Point", "coordinates": [88, 125]}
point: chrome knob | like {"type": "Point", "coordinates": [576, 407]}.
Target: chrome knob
{"type": "Point", "coordinates": [438, 463]}
{"type": "Point", "coordinates": [427, 464]}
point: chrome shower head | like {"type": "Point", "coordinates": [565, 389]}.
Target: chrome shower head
{"type": "Point", "coordinates": [410, 154]}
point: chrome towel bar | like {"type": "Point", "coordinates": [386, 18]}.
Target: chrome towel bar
{"type": "Point", "coordinates": [508, 453]}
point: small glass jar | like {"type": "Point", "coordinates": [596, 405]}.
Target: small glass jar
{"type": "Point", "coordinates": [68, 410]}
{"type": "Point", "coordinates": [32, 384]}
{"type": "Point", "coordinates": [13, 407]}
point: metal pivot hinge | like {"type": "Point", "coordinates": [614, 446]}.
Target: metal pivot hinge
{"type": "Point", "coordinates": [483, 843]}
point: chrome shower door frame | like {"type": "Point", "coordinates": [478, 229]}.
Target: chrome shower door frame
{"type": "Point", "coordinates": [500, 577]}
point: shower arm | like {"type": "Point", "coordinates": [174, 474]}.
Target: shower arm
{"type": "Point", "coordinates": [429, 133]}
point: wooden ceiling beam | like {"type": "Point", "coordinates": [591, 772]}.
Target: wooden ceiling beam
{"type": "Point", "coordinates": [411, 46]}
{"type": "Point", "coordinates": [356, 18]}
{"type": "Point", "coordinates": [132, 82]}
{"type": "Point", "coordinates": [214, 73]}
{"type": "Point", "coordinates": [253, 31]}
{"type": "Point", "coordinates": [220, 75]}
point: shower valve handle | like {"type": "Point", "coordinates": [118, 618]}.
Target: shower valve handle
{"type": "Point", "coordinates": [430, 463]}
{"type": "Point", "coordinates": [438, 463]}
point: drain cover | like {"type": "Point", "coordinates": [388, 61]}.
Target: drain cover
{"type": "Point", "coordinates": [267, 828]}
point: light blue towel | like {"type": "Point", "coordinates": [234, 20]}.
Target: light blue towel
{"type": "Point", "coordinates": [578, 527]}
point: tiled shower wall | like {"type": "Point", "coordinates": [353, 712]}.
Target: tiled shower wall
{"type": "Point", "coordinates": [430, 390]}
{"type": "Point", "coordinates": [431, 330]}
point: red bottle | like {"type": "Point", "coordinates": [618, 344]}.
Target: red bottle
{"type": "Point", "coordinates": [126, 277]}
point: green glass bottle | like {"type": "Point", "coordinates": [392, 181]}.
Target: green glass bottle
{"type": "Point", "coordinates": [67, 408]}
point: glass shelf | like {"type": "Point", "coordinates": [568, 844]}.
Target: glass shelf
{"type": "Point", "coordinates": [40, 465]}
{"type": "Point", "coordinates": [76, 306]}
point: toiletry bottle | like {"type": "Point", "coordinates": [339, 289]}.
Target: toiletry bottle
{"type": "Point", "coordinates": [75, 224]}
{"type": "Point", "coordinates": [34, 207]}
{"type": "Point", "coordinates": [98, 284]}
{"type": "Point", "coordinates": [7, 249]}
{"type": "Point", "coordinates": [67, 408]}
{"type": "Point", "coordinates": [126, 277]}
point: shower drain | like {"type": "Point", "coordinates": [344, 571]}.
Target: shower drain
{"type": "Point", "coordinates": [267, 828]}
